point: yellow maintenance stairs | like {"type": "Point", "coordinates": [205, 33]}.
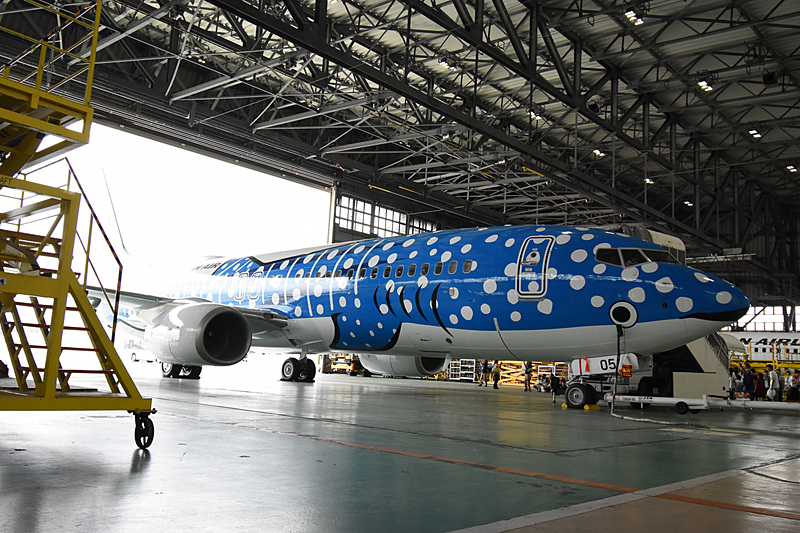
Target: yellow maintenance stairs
{"type": "Point", "coordinates": [52, 334]}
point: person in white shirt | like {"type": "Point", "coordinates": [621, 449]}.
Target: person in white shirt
{"type": "Point", "coordinates": [773, 390]}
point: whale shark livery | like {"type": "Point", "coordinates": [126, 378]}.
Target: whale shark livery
{"type": "Point", "coordinates": [408, 304]}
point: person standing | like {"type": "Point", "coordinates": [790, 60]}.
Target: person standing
{"type": "Point", "coordinates": [793, 393]}
{"type": "Point", "coordinates": [484, 373]}
{"type": "Point", "coordinates": [760, 389]}
{"type": "Point", "coordinates": [528, 375]}
{"type": "Point", "coordinates": [496, 374]}
{"type": "Point", "coordinates": [749, 381]}
{"type": "Point", "coordinates": [773, 389]}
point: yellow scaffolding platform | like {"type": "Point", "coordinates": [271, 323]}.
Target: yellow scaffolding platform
{"type": "Point", "coordinates": [49, 326]}
{"type": "Point", "coordinates": [30, 104]}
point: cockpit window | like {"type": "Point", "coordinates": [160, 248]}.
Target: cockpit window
{"type": "Point", "coordinates": [632, 257]}
{"type": "Point", "coordinates": [608, 255]}
{"type": "Point", "coordinates": [660, 256]}
{"type": "Point", "coordinates": [628, 257]}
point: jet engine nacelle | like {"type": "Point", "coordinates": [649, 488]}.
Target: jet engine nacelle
{"type": "Point", "coordinates": [199, 334]}
{"type": "Point", "coordinates": [403, 365]}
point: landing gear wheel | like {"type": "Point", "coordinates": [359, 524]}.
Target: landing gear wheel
{"type": "Point", "coordinates": [191, 372]}
{"type": "Point", "coordinates": [144, 432]}
{"type": "Point", "coordinates": [681, 408]}
{"type": "Point", "coordinates": [168, 370]}
{"type": "Point", "coordinates": [307, 371]}
{"type": "Point", "coordinates": [290, 369]}
{"type": "Point", "coordinates": [577, 395]}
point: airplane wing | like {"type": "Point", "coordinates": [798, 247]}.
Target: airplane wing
{"type": "Point", "coordinates": [193, 331]}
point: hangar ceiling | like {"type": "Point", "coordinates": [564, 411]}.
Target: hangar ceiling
{"type": "Point", "coordinates": [681, 115]}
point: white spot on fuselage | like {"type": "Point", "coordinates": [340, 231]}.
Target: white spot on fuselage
{"type": "Point", "coordinates": [630, 274]}
{"type": "Point", "coordinates": [684, 304]}
{"type": "Point", "coordinates": [489, 286]}
{"type": "Point", "coordinates": [665, 285]}
{"type": "Point", "coordinates": [636, 295]}
{"type": "Point", "coordinates": [545, 306]}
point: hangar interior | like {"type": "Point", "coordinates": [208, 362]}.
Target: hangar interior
{"type": "Point", "coordinates": [678, 116]}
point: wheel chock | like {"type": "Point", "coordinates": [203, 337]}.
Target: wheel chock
{"type": "Point", "coordinates": [564, 405]}
{"type": "Point", "coordinates": [594, 407]}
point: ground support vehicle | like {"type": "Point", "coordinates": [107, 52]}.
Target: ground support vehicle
{"type": "Point", "coordinates": [684, 375]}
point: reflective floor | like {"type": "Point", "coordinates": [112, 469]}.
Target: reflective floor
{"type": "Point", "coordinates": [240, 449]}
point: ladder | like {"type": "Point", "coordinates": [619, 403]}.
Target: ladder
{"type": "Point", "coordinates": [50, 328]}
{"type": "Point", "coordinates": [52, 333]}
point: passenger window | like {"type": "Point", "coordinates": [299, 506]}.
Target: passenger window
{"type": "Point", "coordinates": [298, 275]}
{"type": "Point", "coordinates": [399, 271]}
{"type": "Point", "coordinates": [374, 273]}
{"type": "Point", "coordinates": [467, 266]}
{"type": "Point", "coordinates": [412, 269]}
{"type": "Point", "coordinates": [339, 273]}
{"type": "Point", "coordinates": [350, 273]}
{"type": "Point", "coordinates": [387, 271]}
{"type": "Point", "coordinates": [452, 267]}
{"type": "Point", "coordinates": [318, 274]}
{"type": "Point", "coordinates": [608, 255]}
{"type": "Point", "coordinates": [424, 270]}
{"type": "Point", "coordinates": [438, 268]}
{"type": "Point", "coordinates": [362, 273]}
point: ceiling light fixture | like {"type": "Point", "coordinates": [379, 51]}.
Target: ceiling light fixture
{"type": "Point", "coordinates": [598, 152]}
{"type": "Point", "coordinates": [635, 12]}
{"type": "Point", "coordinates": [705, 80]}
{"type": "Point", "coordinates": [791, 168]}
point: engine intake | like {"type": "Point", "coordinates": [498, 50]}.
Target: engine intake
{"type": "Point", "coordinates": [199, 334]}
{"type": "Point", "coordinates": [403, 365]}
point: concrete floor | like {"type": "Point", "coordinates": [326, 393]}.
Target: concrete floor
{"type": "Point", "coordinates": [240, 450]}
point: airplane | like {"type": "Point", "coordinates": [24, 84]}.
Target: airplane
{"type": "Point", "coordinates": [410, 303]}
{"type": "Point", "coordinates": [762, 345]}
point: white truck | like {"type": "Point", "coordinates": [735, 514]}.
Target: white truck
{"type": "Point", "coordinates": [681, 377]}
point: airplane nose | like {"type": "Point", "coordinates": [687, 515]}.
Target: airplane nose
{"type": "Point", "coordinates": [721, 301]}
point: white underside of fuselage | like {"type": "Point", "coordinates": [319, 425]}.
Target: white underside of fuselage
{"type": "Point", "coordinates": [315, 335]}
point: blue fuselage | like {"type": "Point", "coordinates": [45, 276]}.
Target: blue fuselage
{"type": "Point", "coordinates": [524, 292]}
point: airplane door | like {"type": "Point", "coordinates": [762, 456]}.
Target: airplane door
{"type": "Point", "coordinates": [532, 266]}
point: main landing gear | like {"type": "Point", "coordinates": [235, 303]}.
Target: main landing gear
{"type": "Point", "coordinates": [294, 369]}
{"type": "Point", "coordinates": [169, 370]}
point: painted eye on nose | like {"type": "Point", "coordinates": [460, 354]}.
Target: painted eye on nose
{"type": "Point", "coordinates": [623, 314]}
